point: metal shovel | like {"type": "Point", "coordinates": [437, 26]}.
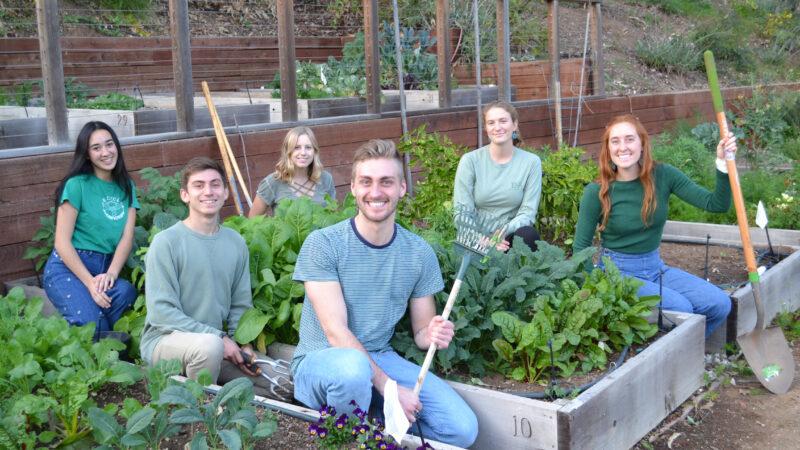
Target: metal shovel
{"type": "Point", "coordinates": [765, 349]}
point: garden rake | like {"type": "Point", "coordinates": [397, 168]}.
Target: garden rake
{"type": "Point", "coordinates": [281, 374]}
{"type": "Point", "coordinates": [476, 234]}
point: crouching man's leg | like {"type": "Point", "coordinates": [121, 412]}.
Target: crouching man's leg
{"type": "Point", "coordinates": [334, 377]}
{"type": "Point", "coordinates": [445, 416]}
{"type": "Point", "coordinates": [196, 351]}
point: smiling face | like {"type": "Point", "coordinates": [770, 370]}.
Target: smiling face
{"type": "Point", "coordinates": [205, 193]}
{"type": "Point", "coordinates": [103, 153]}
{"type": "Point", "coordinates": [303, 154]}
{"type": "Point", "coordinates": [625, 149]}
{"type": "Point", "coordinates": [377, 186]}
{"type": "Point", "coordinates": [499, 125]}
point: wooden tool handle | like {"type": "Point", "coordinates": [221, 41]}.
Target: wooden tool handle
{"type": "Point", "coordinates": [730, 161]}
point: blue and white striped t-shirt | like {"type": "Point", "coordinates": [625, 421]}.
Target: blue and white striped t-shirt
{"type": "Point", "coordinates": [377, 282]}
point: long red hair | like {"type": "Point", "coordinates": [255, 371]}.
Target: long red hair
{"type": "Point", "coordinates": [609, 174]}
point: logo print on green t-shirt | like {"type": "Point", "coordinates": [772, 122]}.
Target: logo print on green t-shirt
{"type": "Point", "coordinates": [113, 208]}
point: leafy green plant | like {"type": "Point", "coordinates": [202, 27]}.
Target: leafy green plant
{"type": "Point", "coordinates": [48, 369]}
{"type": "Point", "coordinates": [509, 283]}
{"type": "Point", "coordinates": [438, 156]}
{"type": "Point", "coordinates": [236, 426]}
{"type": "Point", "coordinates": [19, 94]}
{"type": "Point", "coordinates": [273, 243]}
{"type": "Point", "coordinates": [789, 321]}
{"type": "Point", "coordinates": [77, 93]}
{"type": "Point", "coordinates": [114, 101]}
{"type": "Point", "coordinates": [146, 425]}
{"type": "Point", "coordinates": [564, 176]}
{"type": "Point", "coordinates": [45, 236]}
{"type": "Point", "coordinates": [162, 195]}
{"type": "Point", "coordinates": [602, 315]}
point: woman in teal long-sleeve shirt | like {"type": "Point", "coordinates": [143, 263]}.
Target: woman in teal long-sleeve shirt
{"type": "Point", "coordinates": [629, 202]}
{"type": "Point", "coordinates": [501, 179]}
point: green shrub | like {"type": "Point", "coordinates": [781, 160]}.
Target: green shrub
{"type": "Point", "coordinates": [438, 157]}
{"type": "Point", "coordinates": [564, 176]}
{"type": "Point", "coordinates": [673, 54]}
{"type": "Point", "coordinates": [689, 8]}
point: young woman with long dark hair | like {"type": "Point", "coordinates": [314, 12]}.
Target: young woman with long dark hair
{"type": "Point", "coordinates": [95, 215]}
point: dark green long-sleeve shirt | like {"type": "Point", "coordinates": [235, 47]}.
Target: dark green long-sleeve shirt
{"type": "Point", "coordinates": [625, 231]}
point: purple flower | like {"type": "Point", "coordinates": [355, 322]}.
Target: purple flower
{"type": "Point", "coordinates": [341, 422]}
{"type": "Point", "coordinates": [353, 403]}
{"type": "Point", "coordinates": [424, 446]}
{"type": "Point", "coordinates": [360, 413]}
{"type": "Point", "coordinates": [378, 436]}
{"type": "Point", "coordinates": [382, 446]}
{"type": "Point", "coordinates": [363, 445]}
{"type": "Point", "coordinates": [313, 429]}
{"type": "Point", "coordinates": [322, 432]}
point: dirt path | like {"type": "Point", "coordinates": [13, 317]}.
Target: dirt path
{"type": "Point", "coordinates": [743, 416]}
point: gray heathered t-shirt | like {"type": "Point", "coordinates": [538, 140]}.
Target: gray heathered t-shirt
{"type": "Point", "coordinates": [377, 282]}
{"type": "Point", "coordinates": [272, 190]}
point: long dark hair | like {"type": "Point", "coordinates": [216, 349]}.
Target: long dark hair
{"type": "Point", "coordinates": [82, 165]}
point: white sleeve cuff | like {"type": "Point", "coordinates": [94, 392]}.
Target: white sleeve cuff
{"type": "Point", "coordinates": [722, 166]}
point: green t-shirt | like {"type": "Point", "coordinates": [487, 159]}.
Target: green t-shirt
{"type": "Point", "coordinates": [102, 212]}
{"type": "Point", "coordinates": [625, 232]}
{"type": "Point", "coordinates": [510, 191]}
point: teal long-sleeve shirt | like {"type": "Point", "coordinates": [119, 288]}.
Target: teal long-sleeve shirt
{"type": "Point", "coordinates": [196, 283]}
{"type": "Point", "coordinates": [625, 232]}
{"type": "Point", "coordinates": [510, 191]}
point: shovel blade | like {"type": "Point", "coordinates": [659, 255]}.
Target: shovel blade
{"type": "Point", "coordinates": [768, 354]}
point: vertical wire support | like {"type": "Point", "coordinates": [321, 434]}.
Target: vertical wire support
{"type": "Point", "coordinates": [478, 71]}
{"type": "Point", "coordinates": [398, 54]}
{"type": "Point", "coordinates": [580, 86]}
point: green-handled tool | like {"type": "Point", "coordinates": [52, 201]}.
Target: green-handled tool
{"type": "Point", "coordinates": [765, 349]}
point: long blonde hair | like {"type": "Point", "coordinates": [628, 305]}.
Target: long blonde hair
{"type": "Point", "coordinates": [609, 174]}
{"type": "Point", "coordinates": [284, 170]}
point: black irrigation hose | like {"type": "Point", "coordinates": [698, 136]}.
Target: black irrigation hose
{"type": "Point", "coordinates": [541, 395]}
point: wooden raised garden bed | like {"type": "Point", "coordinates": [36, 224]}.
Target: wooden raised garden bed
{"type": "Point", "coordinates": [614, 413]}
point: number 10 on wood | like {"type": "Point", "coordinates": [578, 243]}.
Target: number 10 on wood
{"type": "Point", "coordinates": [522, 427]}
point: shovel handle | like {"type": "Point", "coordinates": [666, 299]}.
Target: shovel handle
{"type": "Point", "coordinates": [730, 161]}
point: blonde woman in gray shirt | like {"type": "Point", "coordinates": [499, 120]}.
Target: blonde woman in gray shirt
{"type": "Point", "coordinates": [299, 173]}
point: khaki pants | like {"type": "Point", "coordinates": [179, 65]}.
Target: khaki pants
{"type": "Point", "coordinates": [198, 351]}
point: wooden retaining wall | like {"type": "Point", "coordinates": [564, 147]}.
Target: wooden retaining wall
{"type": "Point", "coordinates": [105, 64]}
{"type": "Point", "coordinates": [532, 78]}
{"type": "Point", "coordinates": [27, 183]}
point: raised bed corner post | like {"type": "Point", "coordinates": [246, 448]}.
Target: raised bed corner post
{"type": "Point", "coordinates": [286, 59]}
{"type": "Point", "coordinates": [372, 61]}
{"type": "Point", "coordinates": [555, 66]}
{"type": "Point", "coordinates": [596, 36]}
{"type": "Point", "coordinates": [503, 52]}
{"type": "Point", "coordinates": [55, 100]}
{"type": "Point", "coordinates": [443, 52]}
{"type": "Point", "coordinates": [182, 64]}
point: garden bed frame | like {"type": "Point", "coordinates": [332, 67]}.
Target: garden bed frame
{"type": "Point", "coordinates": [614, 413]}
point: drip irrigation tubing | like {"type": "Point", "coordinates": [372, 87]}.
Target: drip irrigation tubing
{"type": "Point", "coordinates": [568, 392]}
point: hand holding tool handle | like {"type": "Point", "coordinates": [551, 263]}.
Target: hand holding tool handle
{"type": "Point", "coordinates": [730, 161]}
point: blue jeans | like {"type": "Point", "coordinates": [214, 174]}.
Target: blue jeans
{"type": "Point", "coordinates": [71, 298]}
{"type": "Point", "coordinates": [682, 291]}
{"type": "Point", "coordinates": [335, 376]}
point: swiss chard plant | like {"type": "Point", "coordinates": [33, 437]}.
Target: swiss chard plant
{"type": "Point", "coordinates": [508, 283]}
{"type": "Point", "coordinates": [579, 325]}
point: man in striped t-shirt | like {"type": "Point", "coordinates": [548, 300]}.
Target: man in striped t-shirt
{"type": "Point", "coordinates": [360, 275]}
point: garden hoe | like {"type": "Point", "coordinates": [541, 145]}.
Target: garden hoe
{"type": "Point", "coordinates": [476, 234]}
{"type": "Point", "coordinates": [765, 349]}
